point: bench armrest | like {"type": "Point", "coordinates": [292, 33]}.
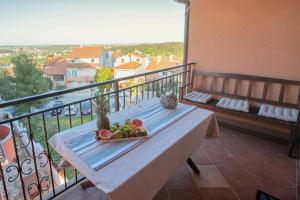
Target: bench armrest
{"type": "Point", "coordinates": [185, 85]}
{"type": "Point", "coordinates": [182, 90]}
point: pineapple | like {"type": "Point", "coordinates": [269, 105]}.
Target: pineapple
{"type": "Point", "coordinates": [102, 109]}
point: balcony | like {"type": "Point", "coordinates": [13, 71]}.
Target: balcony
{"type": "Point", "coordinates": [233, 166]}
{"type": "Point", "coordinates": [258, 38]}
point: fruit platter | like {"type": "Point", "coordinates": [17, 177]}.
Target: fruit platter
{"type": "Point", "coordinates": [131, 129]}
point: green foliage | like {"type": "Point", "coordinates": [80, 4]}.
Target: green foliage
{"type": "Point", "coordinates": [103, 74]}
{"type": "Point", "coordinates": [7, 89]}
{"type": "Point", "coordinates": [160, 49]}
{"type": "Point", "coordinates": [28, 80]}
{"type": "Point", "coordinates": [5, 60]}
{"type": "Point", "coordinates": [60, 87]}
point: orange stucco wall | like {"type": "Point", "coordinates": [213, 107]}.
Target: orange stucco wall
{"type": "Point", "coordinates": [258, 37]}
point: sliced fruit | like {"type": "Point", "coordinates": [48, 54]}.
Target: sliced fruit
{"type": "Point", "coordinates": [143, 131]}
{"type": "Point", "coordinates": [127, 122]}
{"type": "Point", "coordinates": [117, 135]}
{"type": "Point", "coordinates": [137, 123]}
{"type": "Point", "coordinates": [105, 134]}
{"type": "Point", "coordinates": [113, 128]}
{"type": "Point", "coordinates": [117, 124]}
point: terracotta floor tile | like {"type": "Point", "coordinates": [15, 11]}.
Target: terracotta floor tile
{"type": "Point", "coordinates": [269, 156]}
{"type": "Point", "coordinates": [219, 155]}
{"type": "Point", "coordinates": [200, 157]}
{"type": "Point", "coordinates": [217, 194]}
{"type": "Point", "coordinates": [236, 176]}
{"type": "Point", "coordinates": [210, 177]}
{"type": "Point", "coordinates": [289, 171]}
{"type": "Point", "coordinates": [182, 178]}
{"type": "Point", "coordinates": [267, 176]}
{"type": "Point", "coordinates": [184, 194]}
{"type": "Point", "coordinates": [254, 142]}
{"type": "Point", "coordinates": [246, 193]}
{"type": "Point", "coordinates": [247, 156]}
{"type": "Point", "coordinates": [233, 142]}
{"type": "Point", "coordinates": [162, 195]}
{"type": "Point", "coordinates": [282, 193]}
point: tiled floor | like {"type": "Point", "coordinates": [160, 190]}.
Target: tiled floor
{"type": "Point", "coordinates": [232, 167]}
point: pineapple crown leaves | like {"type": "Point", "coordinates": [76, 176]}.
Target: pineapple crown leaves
{"type": "Point", "coordinates": [101, 104]}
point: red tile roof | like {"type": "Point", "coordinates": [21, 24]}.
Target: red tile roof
{"type": "Point", "coordinates": [164, 63]}
{"type": "Point", "coordinates": [57, 66]}
{"type": "Point", "coordinates": [140, 55]}
{"type": "Point", "coordinates": [9, 71]}
{"type": "Point", "coordinates": [85, 52]}
{"type": "Point", "coordinates": [128, 66]}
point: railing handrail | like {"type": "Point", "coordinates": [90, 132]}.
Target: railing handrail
{"type": "Point", "coordinates": [65, 91]}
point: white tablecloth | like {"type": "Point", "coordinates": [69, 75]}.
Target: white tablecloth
{"type": "Point", "coordinates": [140, 173]}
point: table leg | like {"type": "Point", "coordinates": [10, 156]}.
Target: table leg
{"type": "Point", "coordinates": [193, 166]}
{"type": "Point", "coordinates": [87, 184]}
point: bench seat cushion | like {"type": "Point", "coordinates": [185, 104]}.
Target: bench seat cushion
{"type": "Point", "coordinates": [198, 97]}
{"type": "Point", "coordinates": [234, 104]}
{"type": "Point", "coordinates": [277, 112]}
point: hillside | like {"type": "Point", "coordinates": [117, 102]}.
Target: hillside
{"type": "Point", "coordinates": [163, 49]}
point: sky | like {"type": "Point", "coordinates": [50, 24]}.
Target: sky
{"type": "Point", "coordinates": [46, 22]}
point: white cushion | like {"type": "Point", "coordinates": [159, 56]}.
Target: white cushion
{"type": "Point", "coordinates": [234, 104]}
{"type": "Point", "coordinates": [277, 112]}
{"type": "Point", "coordinates": [198, 97]}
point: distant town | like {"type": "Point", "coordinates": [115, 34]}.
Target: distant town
{"type": "Point", "coordinates": [71, 66]}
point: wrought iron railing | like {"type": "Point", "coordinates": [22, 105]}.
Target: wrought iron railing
{"type": "Point", "coordinates": [33, 169]}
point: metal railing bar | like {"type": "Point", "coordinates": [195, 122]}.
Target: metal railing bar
{"type": "Point", "coordinates": [34, 160]}
{"type": "Point", "coordinates": [61, 92]}
{"type": "Point", "coordinates": [18, 160]}
{"type": "Point", "coordinates": [79, 101]}
{"type": "Point", "coordinates": [48, 154]}
{"type": "Point", "coordinates": [80, 110]}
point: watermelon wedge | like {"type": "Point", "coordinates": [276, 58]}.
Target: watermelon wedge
{"type": "Point", "coordinates": [105, 134]}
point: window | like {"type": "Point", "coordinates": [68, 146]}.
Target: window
{"type": "Point", "coordinates": [73, 73]}
{"type": "Point", "coordinates": [165, 73]}
{"type": "Point", "coordinates": [122, 60]}
{"type": "Point", "coordinates": [138, 60]}
{"type": "Point", "coordinates": [92, 60]}
{"type": "Point", "coordinates": [58, 77]}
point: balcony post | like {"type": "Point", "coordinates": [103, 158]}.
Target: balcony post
{"type": "Point", "coordinates": [186, 39]}
{"type": "Point", "coordinates": [116, 89]}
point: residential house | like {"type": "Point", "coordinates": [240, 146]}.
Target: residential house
{"type": "Point", "coordinates": [55, 69]}
{"type": "Point", "coordinates": [80, 74]}
{"type": "Point", "coordinates": [157, 63]}
{"type": "Point", "coordinates": [136, 56]}
{"type": "Point", "coordinates": [82, 65]}
{"type": "Point", "coordinates": [92, 54]}
{"type": "Point", "coordinates": [128, 69]}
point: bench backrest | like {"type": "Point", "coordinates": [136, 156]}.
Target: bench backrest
{"type": "Point", "coordinates": [254, 88]}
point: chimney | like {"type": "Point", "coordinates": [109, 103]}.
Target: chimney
{"type": "Point", "coordinates": [50, 59]}
{"type": "Point", "coordinates": [158, 59]}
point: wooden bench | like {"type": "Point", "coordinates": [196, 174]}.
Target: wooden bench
{"type": "Point", "coordinates": [257, 90]}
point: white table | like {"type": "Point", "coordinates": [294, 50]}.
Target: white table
{"type": "Point", "coordinates": [140, 173]}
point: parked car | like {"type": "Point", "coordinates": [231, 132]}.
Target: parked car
{"type": "Point", "coordinates": [86, 108]}
{"type": "Point", "coordinates": [11, 110]}
{"type": "Point", "coordinates": [59, 110]}
{"type": "Point", "coordinates": [73, 110]}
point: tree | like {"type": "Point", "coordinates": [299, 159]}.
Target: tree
{"type": "Point", "coordinates": [103, 74]}
{"type": "Point", "coordinates": [7, 89]}
{"type": "Point", "coordinates": [28, 80]}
